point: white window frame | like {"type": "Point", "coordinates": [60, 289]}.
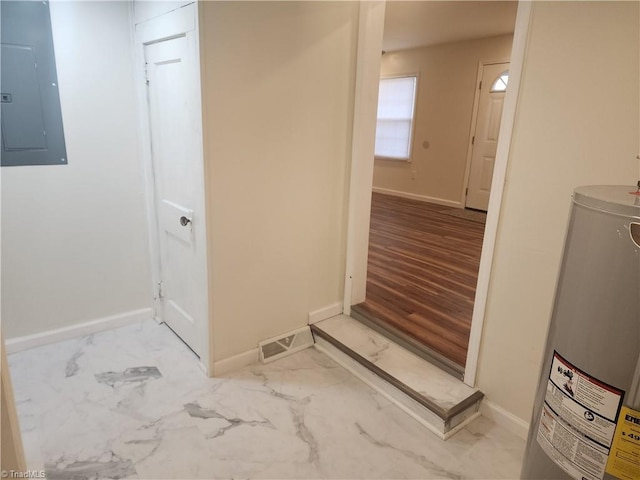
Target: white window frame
{"type": "Point", "coordinates": [499, 78]}
{"type": "Point", "coordinates": [413, 117]}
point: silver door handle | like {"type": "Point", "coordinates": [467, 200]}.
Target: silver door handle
{"type": "Point", "coordinates": [184, 221]}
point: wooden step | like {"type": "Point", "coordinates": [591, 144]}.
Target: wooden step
{"type": "Point", "coordinates": [438, 400]}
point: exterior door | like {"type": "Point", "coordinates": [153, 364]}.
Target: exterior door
{"type": "Point", "coordinates": [485, 136]}
{"type": "Point", "coordinates": [172, 72]}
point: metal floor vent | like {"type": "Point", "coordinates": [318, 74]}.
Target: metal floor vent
{"type": "Point", "coordinates": [286, 344]}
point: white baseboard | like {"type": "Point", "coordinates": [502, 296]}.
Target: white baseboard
{"type": "Point", "coordinates": [504, 418]}
{"type": "Point", "coordinates": [26, 342]}
{"type": "Point", "coordinates": [227, 365]}
{"type": "Point", "coordinates": [420, 198]}
{"type": "Point", "coordinates": [324, 313]}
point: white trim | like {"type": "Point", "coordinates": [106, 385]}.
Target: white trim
{"type": "Point", "coordinates": [26, 342]}
{"type": "Point", "coordinates": [323, 313]}
{"type": "Point", "coordinates": [504, 419]}
{"type": "Point", "coordinates": [231, 364]}
{"type": "Point", "coordinates": [144, 149]}
{"type": "Point", "coordinates": [208, 357]}
{"type": "Point", "coordinates": [415, 196]}
{"type": "Point", "coordinates": [365, 108]}
{"type": "Point", "coordinates": [521, 33]}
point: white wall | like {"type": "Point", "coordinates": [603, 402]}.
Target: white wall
{"type": "Point", "coordinates": [278, 81]}
{"type": "Point", "coordinates": [446, 90]}
{"type": "Point", "coordinates": [577, 123]}
{"type": "Point", "coordinates": [74, 237]}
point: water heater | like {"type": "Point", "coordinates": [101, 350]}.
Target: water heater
{"type": "Point", "coordinates": [586, 417]}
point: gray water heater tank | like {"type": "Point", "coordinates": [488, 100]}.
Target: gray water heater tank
{"type": "Point", "coordinates": [586, 418]}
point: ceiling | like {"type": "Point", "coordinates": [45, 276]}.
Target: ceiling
{"type": "Point", "coordinates": [410, 24]}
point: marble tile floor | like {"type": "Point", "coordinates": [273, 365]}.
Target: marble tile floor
{"type": "Point", "coordinates": [132, 403]}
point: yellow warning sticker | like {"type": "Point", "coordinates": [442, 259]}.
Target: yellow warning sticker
{"type": "Point", "coordinates": [624, 458]}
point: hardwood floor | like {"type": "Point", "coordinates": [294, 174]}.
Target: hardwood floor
{"type": "Point", "coordinates": [422, 272]}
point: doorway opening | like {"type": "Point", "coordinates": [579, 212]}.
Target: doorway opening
{"type": "Point", "coordinates": [428, 211]}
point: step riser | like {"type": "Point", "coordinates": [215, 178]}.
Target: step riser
{"type": "Point", "coordinates": [443, 428]}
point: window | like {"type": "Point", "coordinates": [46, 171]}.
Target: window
{"type": "Point", "coordinates": [396, 107]}
{"type": "Point", "coordinates": [500, 85]}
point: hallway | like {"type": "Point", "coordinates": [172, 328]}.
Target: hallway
{"type": "Point", "coordinates": [132, 403]}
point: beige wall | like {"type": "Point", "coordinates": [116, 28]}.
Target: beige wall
{"type": "Point", "coordinates": [277, 83]}
{"type": "Point", "coordinates": [446, 90]}
{"type": "Point", "coordinates": [576, 124]}
{"type": "Point", "coordinates": [74, 237]}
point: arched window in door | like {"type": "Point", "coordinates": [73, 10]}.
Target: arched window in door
{"type": "Point", "coordinates": [500, 85]}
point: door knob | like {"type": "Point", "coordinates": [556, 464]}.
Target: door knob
{"type": "Point", "coordinates": [184, 221]}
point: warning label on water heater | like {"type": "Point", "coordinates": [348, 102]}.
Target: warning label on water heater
{"type": "Point", "coordinates": [578, 420]}
{"type": "Point", "coordinates": [624, 460]}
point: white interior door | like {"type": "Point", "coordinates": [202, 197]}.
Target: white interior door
{"type": "Point", "coordinates": [175, 129]}
{"type": "Point", "coordinates": [485, 137]}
